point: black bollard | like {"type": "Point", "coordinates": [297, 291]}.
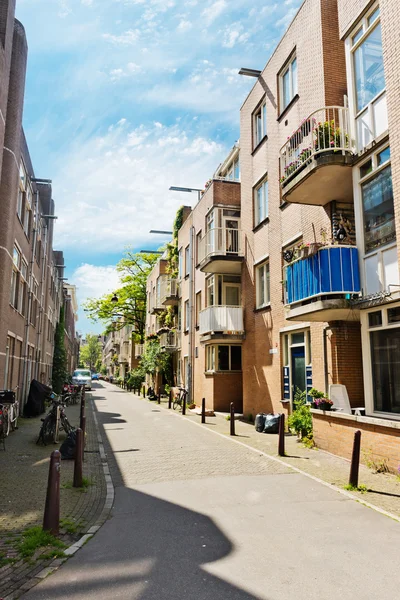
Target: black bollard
{"type": "Point", "coordinates": [159, 396]}
{"type": "Point", "coordinates": [170, 399]}
{"type": "Point", "coordinates": [232, 420]}
{"type": "Point", "coordinates": [83, 427]}
{"type": "Point", "coordinates": [78, 459]}
{"type": "Point", "coordinates": [281, 438]}
{"type": "Point", "coordinates": [144, 391]}
{"type": "Point", "coordinates": [184, 404]}
{"type": "Point", "coordinates": [355, 459]}
{"type": "Point", "coordinates": [51, 518]}
{"type": "Point", "coordinates": [203, 410]}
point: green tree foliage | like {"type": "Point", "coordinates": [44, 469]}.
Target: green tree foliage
{"type": "Point", "coordinates": [131, 306]}
{"type": "Point", "coordinates": [60, 356]}
{"type": "Point", "coordinates": [154, 360]}
{"type": "Point", "coordinates": [91, 352]}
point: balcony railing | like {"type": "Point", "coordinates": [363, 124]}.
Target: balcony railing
{"type": "Point", "coordinates": [220, 241]}
{"type": "Point", "coordinates": [169, 291]}
{"type": "Point", "coordinates": [169, 340]}
{"type": "Point", "coordinates": [325, 131]}
{"type": "Point", "coordinates": [139, 349]}
{"type": "Point", "coordinates": [332, 271]}
{"type": "Point", "coordinates": [225, 319]}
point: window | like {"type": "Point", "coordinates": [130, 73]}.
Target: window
{"type": "Point", "coordinates": [198, 242]}
{"type": "Point", "coordinates": [385, 358]}
{"type": "Point", "coordinates": [223, 290]}
{"type": "Point", "coordinates": [261, 202]}
{"type": "Point", "coordinates": [180, 266]}
{"type": "Point", "coordinates": [263, 285]}
{"type": "Point", "coordinates": [377, 201]}
{"type": "Point", "coordinates": [260, 124]}
{"type": "Point", "coordinates": [186, 315]}
{"type": "Point", "coordinates": [366, 78]}
{"type": "Point", "coordinates": [368, 68]}
{"type": "Point", "coordinates": [288, 83]}
{"type": "Point", "coordinates": [223, 358]}
{"type": "Point", "coordinates": [19, 278]}
{"type": "Point", "coordinates": [198, 308]}
{"type": "Point", "coordinates": [187, 260]}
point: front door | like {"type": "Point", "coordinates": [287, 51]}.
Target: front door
{"type": "Point", "coordinates": [231, 227]}
{"type": "Point", "coordinates": [298, 360]}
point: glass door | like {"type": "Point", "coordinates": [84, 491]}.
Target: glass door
{"type": "Point", "coordinates": [298, 357]}
{"type": "Point", "coordinates": [231, 294]}
{"type": "Point", "coordinates": [231, 229]}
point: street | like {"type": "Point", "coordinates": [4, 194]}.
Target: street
{"type": "Point", "coordinates": [197, 516]}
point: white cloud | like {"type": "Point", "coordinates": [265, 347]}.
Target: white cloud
{"type": "Point", "coordinates": [233, 34]}
{"type": "Point", "coordinates": [213, 11]}
{"type": "Point", "coordinates": [114, 188]}
{"type": "Point", "coordinates": [87, 2]}
{"type": "Point", "coordinates": [128, 38]}
{"type": "Point", "coordinates": [184, 25]}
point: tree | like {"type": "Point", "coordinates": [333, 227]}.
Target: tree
{"type": "Point", "coordinates": [59, 372]}
{"type": "Point", "coordinates": [91, 351]}
{"type": "Point", "coordinates": [154, 360]}
{"type": "Point", "coordinates": [130, 309]}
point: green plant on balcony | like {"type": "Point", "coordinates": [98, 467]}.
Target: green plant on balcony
{"type": "Point", "coordinates": [329, 137]}
{"type": "Point", "coordinates": [320, 399]}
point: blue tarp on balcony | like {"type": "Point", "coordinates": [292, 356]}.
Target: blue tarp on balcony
{"type": "Point", "coordinates": [332, 270]}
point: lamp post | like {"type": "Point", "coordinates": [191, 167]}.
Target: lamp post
{"type": "Point", "coordinates": [190, 365]}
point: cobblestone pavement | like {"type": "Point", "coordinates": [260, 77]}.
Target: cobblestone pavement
{"type": "Point", "coordinates": [23, 483]}
{"type": "Point", "coordinates": [383, 488]}
{"type": "Point", "coordinates": [201, 517]}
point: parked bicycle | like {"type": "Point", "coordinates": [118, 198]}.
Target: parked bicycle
{"type": "Point", "coordinates": [178, 400]}
{"type": "Point", "coordinates": [10, 409]}
{"type": "Point", "coordinates": [56, 420]}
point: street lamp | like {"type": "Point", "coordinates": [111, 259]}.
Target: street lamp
{"type": "Point", "coordinates": [114, 298]}
{"type": "Point", "coordinates": [160, 231]}
{"type": "Point", "coordinates": [174, 188]}
{"type": "Point", "coordinates": [250, 72]}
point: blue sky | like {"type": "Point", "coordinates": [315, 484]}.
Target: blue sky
{"type": "Point", "coordinates": [127, 97]}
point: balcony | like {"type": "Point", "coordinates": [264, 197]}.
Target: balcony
{"type": "Point", "coordinates": [319, 287]}
{"type": "Point", "coordinates": [316, 161]}
{"type": "Point", "coordinates": [221, 322]}
{"type": "Point", "coordinates": [169, 292]}
{"type": "Point", "coordinates": [220, 251]}
{"type": "Point", "coordinates": [139, 350]}
{"type": "Point", "coordinates": [169, 341]}
{"type": "Point", "coordinates": [155, 304]}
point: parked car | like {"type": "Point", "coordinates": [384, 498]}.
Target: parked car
{"type": "Point", "coordinates": [82, 377]}
{"type": "Point", "coordinates": [95, 377]}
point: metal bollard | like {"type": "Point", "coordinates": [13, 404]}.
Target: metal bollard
{"type": "Point", "coordinates": [78, 459]}
{"type": "Point", "coordinates": [170, 399]}
{"type": "Point", "coordinates": [232, 420]}
{"type": "Point", "coordinates": [144, 391]}
{"type": "Point", "coordinates": [281, 439]}
{"type": "Point", "coordinates": [355, 459]}
{"type": "Point", "coordinates": [159, 396]}
{"type": "Point", "coordinates": [184, 405]}
{"type": "Point", "coordinates": [203, 410]}
{"type": "Point", "coordinates": [83, 427]}
{"type": "Point", "coordinates": [82, 415]}
{"type": "Point", "coordinates": [51, 518]}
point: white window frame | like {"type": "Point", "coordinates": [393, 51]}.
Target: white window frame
{"type": "Point", "coordinates": [261, 210]}
{"type": "Point", "coordinates": [186, 315]}
{"type": "Point", "coordinates": [212, 358]}
{"type": "Point", "coordinates": [366, 114]}
{"type": "Point", "coordinates": [260, 124]}
{"type": "Point", "coordinates": [293, 82]}
{"type": "Point", "coordinates": [264, 267]}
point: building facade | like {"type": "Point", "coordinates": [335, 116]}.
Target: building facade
{"type": "Point", "coordinates": [31, 286]}
{"type": "Point", "coordinates": [292, 275]}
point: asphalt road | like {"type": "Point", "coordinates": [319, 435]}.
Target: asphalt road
{"type": "Point", "coordinates": [198, 517]}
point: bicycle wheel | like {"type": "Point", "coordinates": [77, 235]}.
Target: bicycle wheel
{"type": "Point", "coordinates": [6, 421]}
{"type": "Point", "coordinates": [66, 425]}
{"type": "Point", "coordinates": [15, 415]}
{"type": "Point", "coordinates": [177, 402]}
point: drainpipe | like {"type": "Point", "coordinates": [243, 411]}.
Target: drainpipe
{"type": "Point", "coordinates": [191, 328]}
{"type": "Point", "coordinates": [30, 285]}
{"type": "Point", "coordinates": [325, 348]}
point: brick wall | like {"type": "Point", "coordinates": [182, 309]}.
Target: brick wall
{"type": "Point", "coordinates": [321, 80]}
{"type": "Point", "coordinates": [379, 442]}
{"type": "Point", "coordinates": [345, 359]}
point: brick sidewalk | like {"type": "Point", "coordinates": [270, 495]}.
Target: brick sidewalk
{"type": "Point", "coordinates": [23, 475]}
{"type": "Point", "coordinates": [383, 488]}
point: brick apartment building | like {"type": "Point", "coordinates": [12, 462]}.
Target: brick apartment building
{"type": "Point", "coordinates": [31, 286]}
{"type": "Point", "coordinates": [317, 219]}
{"type": "Point", "coordinates": [120, 352]}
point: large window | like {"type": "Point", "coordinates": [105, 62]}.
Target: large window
{"type": "Point", "coordinates": [223, 358]}
{"type": "Point", "coordinates": [261, 202]}
{"type": "Point", "coordinates": [368, 64]}
{"type": "Point", "coordinates": [223, 290]}
{"type": "Point", "coordinates": [288, 83]}
{"type": "Point", "coordinates": [366, 82]}
{"type": "Point", "coordinates": [262, 285]}
{"type": "Point", "coordinates": [187, 260]}
{"type": "Point", "coordinates": [260, 124]}
{"type": "Point", "coordinates": [19, 276]}
{"type": "Point", "coordinates": [377, 201]}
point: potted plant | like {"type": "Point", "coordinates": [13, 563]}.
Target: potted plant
{"type": "Point", "coordinates": [320, 400]}
{"type": "Point", "coordinates": [302, 250]}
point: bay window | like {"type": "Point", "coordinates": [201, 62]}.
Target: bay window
{"type": "Point", "coordinates": [224, 358]}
